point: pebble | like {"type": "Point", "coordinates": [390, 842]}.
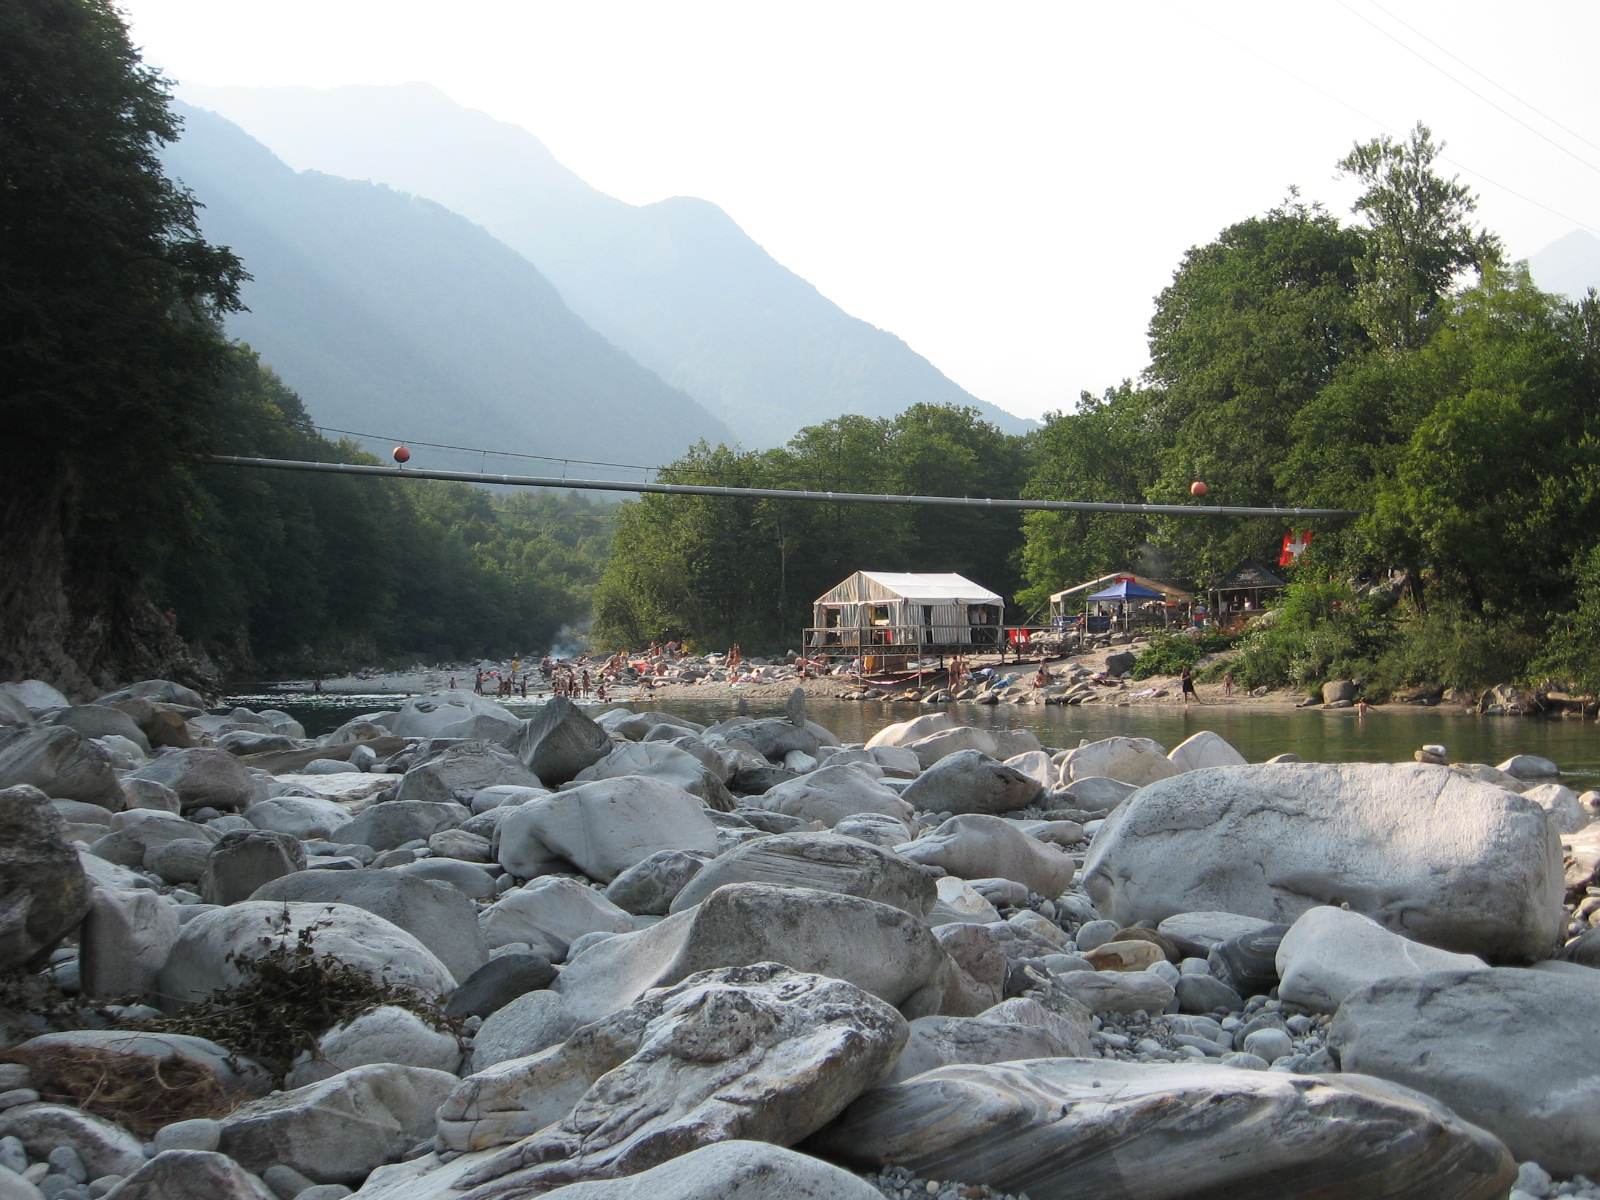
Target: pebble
{"type": "Point", "coordinates": [201, 1133]}
{"type": "Point", "coordinates": [64, 1160]}
{"type": "Point", "coordinates": [14, 1075]}
{"type": "Point", "coordinates": [18, 1096]}
{"type": "Point", "coordinates": [898, 1183]}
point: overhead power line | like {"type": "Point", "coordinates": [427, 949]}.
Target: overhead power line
{"type": "Point", "coordinates": [692, 489]}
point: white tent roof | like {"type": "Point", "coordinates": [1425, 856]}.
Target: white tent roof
{"type": "Point", "coordinates": [923, 586]}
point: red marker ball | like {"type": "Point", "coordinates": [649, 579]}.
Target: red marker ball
{"type": "Point", "coordinates": [1198, 489]}
{"type": "Point", "coordinates": [402, 455]}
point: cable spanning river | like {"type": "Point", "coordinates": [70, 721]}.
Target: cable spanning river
{"type": "Point", "coordinates": [1390, 733]}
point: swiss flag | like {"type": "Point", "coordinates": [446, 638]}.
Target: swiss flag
{"type": "Point", "coordinates": [1294, 545]}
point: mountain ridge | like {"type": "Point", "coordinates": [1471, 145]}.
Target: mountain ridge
{"type": "Point", "coordinates": [676, 283]}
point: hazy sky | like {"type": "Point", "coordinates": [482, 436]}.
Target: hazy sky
{"type": "Point", "coordinates": [1005, 186]}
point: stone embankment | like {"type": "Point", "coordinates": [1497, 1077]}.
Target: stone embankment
{"type": "Point", "coordinates": [445, 952]}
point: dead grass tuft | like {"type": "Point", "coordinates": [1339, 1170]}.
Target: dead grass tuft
{"type": "Point", "coordinates": [136, 1091]}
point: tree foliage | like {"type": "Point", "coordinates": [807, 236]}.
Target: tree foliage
{"type": "Point", "coordinates": [747, 570]}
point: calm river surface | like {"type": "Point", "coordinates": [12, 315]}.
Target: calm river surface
{"type": "Point", "coordinates": [1387, 734]}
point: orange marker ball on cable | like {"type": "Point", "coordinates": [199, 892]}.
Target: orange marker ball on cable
{"type": "Point", "coordinates": [1198, 489]}
{"type": "Point", "coordinates": [402, 455]}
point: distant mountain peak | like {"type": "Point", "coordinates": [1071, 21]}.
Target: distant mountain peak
{"type": "Point", "coordinates": [677, 284]}
{"type": "Point", "coordinates": [1570, 265]}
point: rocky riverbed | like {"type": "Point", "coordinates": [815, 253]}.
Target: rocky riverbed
{"type": "Point", "coordinates": [445, 951]}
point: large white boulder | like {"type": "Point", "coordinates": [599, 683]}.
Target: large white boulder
{"type": "Point", "coordinates": [452, 714]}
{"type": "Point", "coordinates": [970, 781]}
{"type": "Point", "coordinates": [879, 948]}
{"type": "Point", "coordinates": [1515, 1051]}
{"type": "Point", "coordinates": [761, 1052]}
{"type": "Point", "coordinates": [1131, 760]}
{"type": "Point", "coordinates": [903, 733]}
{"type": "Point", "coordinates": [976, 846]}
{"type": "Point", "coordinates": [602, 828]}
{"type": "Point", "coordinates": [213, 949]}
{"type": "Point", "coordinates": [1329, 953]}
{"type": "Point", "coordinates": [1561, 804]}
{"type": "Point", "coordinates": [830, 794]}
{"type": "Point", "coordinates": [461, 771]}
{"type": "Point", "coordinates": [1204, 749]}
{"type": "Point", "coordinates": [1071, 1128]}
{"type": "Point", "coordinates": [828, 862]}
{"type": "Point", "coordinates": [549, 914]}
{"type": "Point", "coordinates": [1432, 855]}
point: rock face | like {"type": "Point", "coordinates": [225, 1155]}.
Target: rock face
{"type": "Point", "coordinates": [1441, 859]}
{"type": "Point", "coordinates": [559, 741]}
{"type": "Point", "coordinates": [209, 951]}
{"type": "Point", "coordinates": [969, 781]}
{"type": "Point", "coordinates": [1081, 1129]}
{"type": "Point", "coordinates": [825, 861]}
{"type": "Point", "coordinates": [603, 828]}
{"type": "Point", "coordinates": [44, 893]}
{"type": "Point", "coordinates": [880, 949]}
{"type": "Point", "coordinates": [436, 914]}
{"type": "Point", "coordinates": [979, 847]}
{"type": "Point", "coordinates": [759, 1052]}
{"type": "Point", "coordinates": [338, 1129]}
{"type": "Point", "coordinates": [1517, 1052]}
{"type": "Point", "coordinates": [1329, 953]}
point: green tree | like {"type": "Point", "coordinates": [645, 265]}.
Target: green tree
{"type": "Point", "coordinates": [108, 347]}
{"type": "Point", "coordinates": [1421, 240]}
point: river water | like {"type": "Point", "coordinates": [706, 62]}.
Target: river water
{"type": "Point", "coordinates": [1386, 734]}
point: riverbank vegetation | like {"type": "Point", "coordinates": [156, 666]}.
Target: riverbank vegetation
{"type": "Point", "coordinates": [1393, 365]}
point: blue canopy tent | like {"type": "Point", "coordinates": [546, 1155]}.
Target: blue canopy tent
{"type": "Point", "coordinates": [1121, 594]}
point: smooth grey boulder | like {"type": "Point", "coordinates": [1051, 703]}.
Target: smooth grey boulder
{"type": "Point", "coordinates": [44, 893]}
{"type": "Point", "coordinates": [98, 721]}
{"type": "Point", "coordinates": [381, 1035]}
{"type": "Point", "coordinates": [243, 861]}
{"type": "Point", "coordinates": [1561, 804]}
{"type": "Point", "coordinates": [1204, 749]}
{"type": "Point", "coordinates": [977, 846]}
{"type": "Point", "coordinates": [157, 691]}
{"type": "Point", "coordinates": [970, 781]}
{"type": "Point", "coordinates": [462, 770]}
{"type": "Point", "coordinates": [1131, 760]}
{"type": "Point", "coordinates": [879, 948]}
{"type": "Point", "coordinates": [656, 760]}
{"type": "Point", "coordinates": [559, 741]}
{"type": "Point", "coordinates": [773, 739]}
{"type": "Point", "coordinates": [648, 887]}
{"type": "Point", "coordinates": [305, 817]}
{"type": "Point", "coordinates": [135, 834]}
{"type": "Point", "coordinates": [1118, 991]}
{"type": "Point", "coordinates": [827, 862]}
{"type": "Point", "coordinates": [182, 1174]}
{"type": "Point", "coordinates": [1515, 1051]}
{"type": "Point", "coordinates": [549, 914]}
{"type": "Point", "coordinates": [61, 763]}
{"type": "Point", "coordinates": [1330, 953]}
{"type": "Point", "coordinates": [457, 713]}
{"type": "Point", "coordinates": [439, 916]}
{"type": "Point", "coordinates": [181, 861]}
{"type": "Point", "coordinates": [469, 879]}
{"type": "Point", "coordinates": [524, 1025]}
{"type": "Point", "coordinates": [1198, 932]}
{"type": "Point", "coordinates": [602, 828]}
{"type": "Point", "coordinates": [1097, 794]}
{"type": "Point", "coordinates": [395, 822]}
{"type": "Point", "coordinates": [634, 726]}
{"type": "Point", "coordinates": [213, 949]}
{"type": "Point", "coordinates": [338, 1129]}
{"type": "Point", "coordinates": [125, 940]}
{"type": "Point", "coordinates": [1429, 854]}
{"type": "Point", "coordinates": [830, 794]}
{"type": "Point", "coordinates": [36, 696]}
{"type": "Point", "coordinates": [203, 777]}
{"type": "Point", "coordinates": [104, 1148]}
{"type": "Point", "coordinates": [942, 1041]}
{"type": "Point", "coordinates": [1080, 1129]}
{"type": "Point", "coordinates": [498, 982]}
{"type": "Point", "coordinates": [760, 1052]}
{"type": "Point", "coordinates": [1530, 766]}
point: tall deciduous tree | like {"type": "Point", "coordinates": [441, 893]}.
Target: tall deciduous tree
{"type": "Point", "coordinates": [1421, 238]}
{"type": "Point", "coordinates": [108, 349]}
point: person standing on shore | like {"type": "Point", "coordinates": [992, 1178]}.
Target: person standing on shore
{"type": "Point", "coordinates": [1227, 682]}
{"type": "Point", "coordinates": [1186, 681]}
